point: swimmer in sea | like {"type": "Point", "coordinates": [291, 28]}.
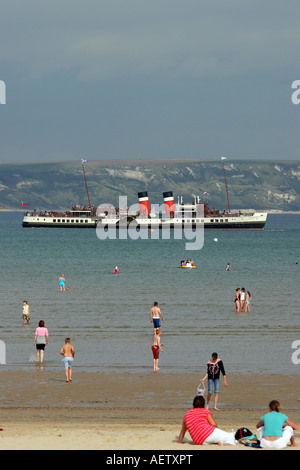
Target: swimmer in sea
{"type": "Point", "coordinates": [61, 282]}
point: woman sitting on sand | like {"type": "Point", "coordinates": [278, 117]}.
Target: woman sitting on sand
{"type": "Point", "coordinates": [202, 427]}
{"type": "Point", "coordinates": [276, 429]}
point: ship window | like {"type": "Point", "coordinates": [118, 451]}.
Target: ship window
{"type": "Point", "coordinates": [58, 220]}
{"type": "Point", "coordinates": [72, 220]}
{"type": "Point", "coordinates": [54, 220]}
{"type": "Point", "coordinates": [63, 220]}
{"type": "Point", "coordinates": [68, 220]}
{"type": "Point", "coordinates": [226, 220]}
{"type": "Point", "coordinates": [217, 220]}
{"type": "Point", "coordinates": [86, 221]}
{"type": "Point", "coordinates": [77, 221]}
{"type": "Point", "coordinates": [211, 220]}
{"type": "Point", "coordinates": [202, 221]}
{"type": "Point", "coordinates": [81, 221]}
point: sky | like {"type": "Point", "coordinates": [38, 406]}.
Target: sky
{"type": "Point", "coordinates": [139, 79]}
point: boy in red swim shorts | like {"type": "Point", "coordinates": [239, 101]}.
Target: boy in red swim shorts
{"type": "Point", "coordinates": [156, 347]}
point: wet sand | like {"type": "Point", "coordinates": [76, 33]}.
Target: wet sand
{"type": "Point", "coordinates": [126, 411]}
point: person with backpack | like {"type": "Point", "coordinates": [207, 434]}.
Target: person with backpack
{"type": "Point", "coordinates": [214, 367]}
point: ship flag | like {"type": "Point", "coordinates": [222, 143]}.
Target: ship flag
{"type": "Point", "coordinates": [25, 203]}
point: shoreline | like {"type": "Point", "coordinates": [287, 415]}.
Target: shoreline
{"type": "Point", "coordinates": [41, 388]}
{"type": "Point", "coordinates": [126, 411]}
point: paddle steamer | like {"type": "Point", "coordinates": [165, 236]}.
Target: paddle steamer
{"type": "Point", "coordinates": [170, 216]}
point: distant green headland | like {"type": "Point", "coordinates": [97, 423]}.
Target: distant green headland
{"type": "Point", "coordinates": [252, 184]}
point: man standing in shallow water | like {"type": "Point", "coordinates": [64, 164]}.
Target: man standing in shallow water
{"type": "Point", "coordinates": [155, 315]}
{"type": "Point", "coordinates": [26, 312]}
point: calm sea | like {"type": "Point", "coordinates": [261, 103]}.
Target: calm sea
{"type": "Point", "coordinates": [107, 315]}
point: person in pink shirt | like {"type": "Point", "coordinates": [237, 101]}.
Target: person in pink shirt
{"type": "Point", "coordinates": [202, 427]}
{"type": "Point", "coordinates": [41, 340]}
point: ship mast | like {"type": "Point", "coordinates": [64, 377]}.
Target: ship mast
{"type": "Point", "coordinates": [224, 158]}
{"type": "Point", "coordinates": [87, 191]}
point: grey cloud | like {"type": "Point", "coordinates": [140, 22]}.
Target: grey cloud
{"type": "Point", "coordinates": [102, 39]}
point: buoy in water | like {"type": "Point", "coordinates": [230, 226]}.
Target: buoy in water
{"type": "Point", "coordinates": [215, 239]}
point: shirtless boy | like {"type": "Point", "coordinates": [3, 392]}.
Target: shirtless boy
{"type": "Point", "coordinates": [68, 352]}
{"type": "Point", "coordinates": [156, 347]}
{"type": "Point", "coordinates": [155, 315]}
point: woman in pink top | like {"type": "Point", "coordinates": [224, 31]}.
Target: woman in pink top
{"type": "Point", "coordinates": [202, 427]}
{"type": "Point", "coordinates": [40, 340]}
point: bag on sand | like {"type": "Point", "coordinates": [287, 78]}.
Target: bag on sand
{"type": "Point", "coordinates": [246, 437]}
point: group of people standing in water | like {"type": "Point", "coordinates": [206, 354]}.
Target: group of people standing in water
{"type": "Point", "coordinates": [242, 300]}
{"type": "Point", "coordinates": [242, 304]}
{"type": "Point", "coordinates": [41, 337]}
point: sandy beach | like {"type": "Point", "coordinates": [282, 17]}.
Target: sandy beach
{"type": "Point", "coordinates": [126, 411]}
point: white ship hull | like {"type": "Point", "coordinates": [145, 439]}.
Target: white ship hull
{"type": "Point", "coordinates": [255, 221]}
{"type": "Point", "coordinates": [78, 219]}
